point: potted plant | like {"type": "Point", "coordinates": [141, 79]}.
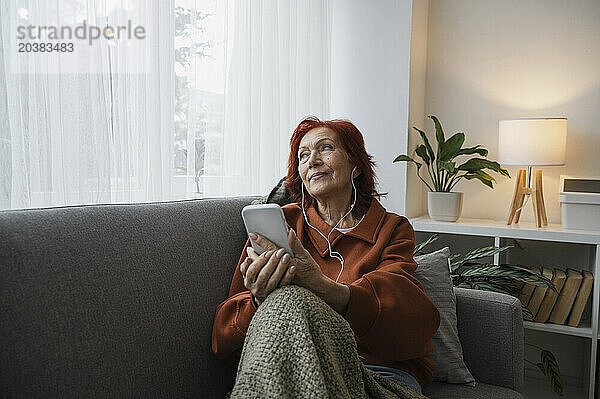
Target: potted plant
{"type": "Point", "coordinates": [443, 204]}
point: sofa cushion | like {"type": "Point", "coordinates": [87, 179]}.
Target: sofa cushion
{"type": "Point", "coordinates": [434, 273]}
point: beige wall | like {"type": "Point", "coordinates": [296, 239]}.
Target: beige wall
{"type": "Point", "coordinates": [499, 59]}
{"type": "Point", "coordinates": [474, 62]}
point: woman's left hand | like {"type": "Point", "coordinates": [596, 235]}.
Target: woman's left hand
{"type": "Point", "coordinates": [308, 274]}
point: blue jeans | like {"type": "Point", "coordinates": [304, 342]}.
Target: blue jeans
{"type": "Point", "coordinates": [398, 375]}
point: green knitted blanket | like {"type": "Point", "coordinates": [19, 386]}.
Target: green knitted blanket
{"type": "Point", "coordinates": [297, 346]}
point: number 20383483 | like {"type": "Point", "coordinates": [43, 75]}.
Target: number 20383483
{"type": "Point", "coordinates": [45, 47]}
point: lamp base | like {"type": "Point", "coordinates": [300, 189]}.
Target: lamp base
{"type": "Point", "coordinates": [537, 194]}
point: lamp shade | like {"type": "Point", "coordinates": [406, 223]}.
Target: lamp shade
{"type": "Point", "coordinates": [532, 141]}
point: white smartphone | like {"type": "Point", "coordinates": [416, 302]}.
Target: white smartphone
{"type": "Point", "coordinates": [267, 220]}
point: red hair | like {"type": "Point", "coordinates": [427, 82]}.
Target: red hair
{"type": "Point", "coordinates": [354, 144]}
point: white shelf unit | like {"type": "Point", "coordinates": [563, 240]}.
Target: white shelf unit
{"type": "Point", "coordinates": [498, 229]}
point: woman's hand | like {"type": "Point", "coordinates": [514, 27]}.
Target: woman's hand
{"type": "Point", "coordinates": [303, 270]}
{"type": "Point", "coordinates": [263, 273]}
{"type": "Point", "coordinates": [307, 273]}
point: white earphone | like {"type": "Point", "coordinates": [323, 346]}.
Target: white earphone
{"type": "Point", "coordinates": [333, 254]}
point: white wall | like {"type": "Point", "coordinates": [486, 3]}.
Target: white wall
{"type": "Point", "coordinates": [499, 59]}
{"type": "Point", "coordinates": [416, 196]}
{"type": "Point", "coordinates": [369, 83]}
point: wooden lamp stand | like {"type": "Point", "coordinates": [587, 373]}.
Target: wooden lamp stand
{"type": "Point", "coordinates": [537, 194]}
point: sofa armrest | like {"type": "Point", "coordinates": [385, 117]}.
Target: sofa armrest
{"type": "Point", "coordinates": [490, 329]}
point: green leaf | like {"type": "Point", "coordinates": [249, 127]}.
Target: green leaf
{"type": "Point", "coordinates": [419, 247]}
{"type": "Point", "coordinates": [473, 150]}
{"type": "Point", "coordinates": [488, 270]}
{"type": "Point", "coordinates": [403, 157]}
{"type": "Point", "coordinates": [526, 311]}
{"type": "Point", "coordinates": [508, 283]}
{"type": "Point", "coordinates": [479, 253]}
{"type": "Point", "coordinates": [427, 145]}
{"type": "Point", "coordinates": [549, 367]}
{"type": "Point", "coordinates": [476, 164]}
{"type": "Point", "coordinates": [452, 146]}
{"type": "Point", "coordinates": [452, 257]}
{"type": "Point", "coordinates": [449, 166]}
{"type": "Point", "coordinates": [541, 367]}
{"type": "Point", "coordinates": [536, 278]}
{"type": "Point", "coordinates": [480, 175]}
{"type": "Point", "coordinates": [485, 176]}
{"type": "Point", "coordinates": [503, 274]}
{"type": "Point", "coordinates": [422, 152]}
{"type": "Point", "coordinates": [439, 132]}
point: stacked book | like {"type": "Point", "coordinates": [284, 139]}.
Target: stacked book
{"type": "Point", "coordinates": [566, 305]}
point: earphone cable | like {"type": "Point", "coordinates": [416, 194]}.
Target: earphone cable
{"type": "Point", "coordinates": [333, 254]}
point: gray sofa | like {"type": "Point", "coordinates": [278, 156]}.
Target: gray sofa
{"type": "Point", "coordinates": [119, 301]}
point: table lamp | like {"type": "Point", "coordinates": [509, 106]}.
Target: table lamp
{"type": "Point", "coordinates": [531, 142]}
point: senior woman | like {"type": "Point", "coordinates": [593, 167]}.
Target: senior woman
{"type": "Point", "coordinates": [348, 250]}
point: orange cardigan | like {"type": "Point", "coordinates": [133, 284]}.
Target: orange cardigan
{"type": "Point", "coordinates": [391, 316]}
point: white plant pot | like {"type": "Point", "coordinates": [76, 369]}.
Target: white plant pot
{"type": "Point", "coordinates": [444, 207]}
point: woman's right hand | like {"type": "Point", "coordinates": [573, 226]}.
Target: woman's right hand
{"type": "Point", "coordinates": [264, 273]}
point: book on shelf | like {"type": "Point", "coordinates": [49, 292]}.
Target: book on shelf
{"type": "Point", "coordinates": [538, 294]}
{"type": "Point", "coordinates": [566, 298]}
{"type": "Point", "coordinates": [582, 297]}
{"type": "Point", "coordinates": [558, 279]}
{"type": "Point", "coordinates": [527, 289]}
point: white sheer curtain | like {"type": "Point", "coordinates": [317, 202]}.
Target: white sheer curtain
{"type": "Point", "coordinates": [206, 111]}
{"type": "Point", "coordinates": [94, 125]}
{"type": "Point", "coordinates": [279, 72]}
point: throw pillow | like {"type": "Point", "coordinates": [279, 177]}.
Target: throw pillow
{"type": "Point", "coordinates": [278, 195]}
{"type": "Point", "coordinates": [433, 272]}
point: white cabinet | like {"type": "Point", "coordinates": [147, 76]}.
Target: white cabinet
{"type": "Point", "coordinates": [589, 241]}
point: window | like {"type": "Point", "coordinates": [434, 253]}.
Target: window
{"type": "Point", "coordinates": [202, 105]}
{"type": "Point", "coordinates": [200, 65]}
